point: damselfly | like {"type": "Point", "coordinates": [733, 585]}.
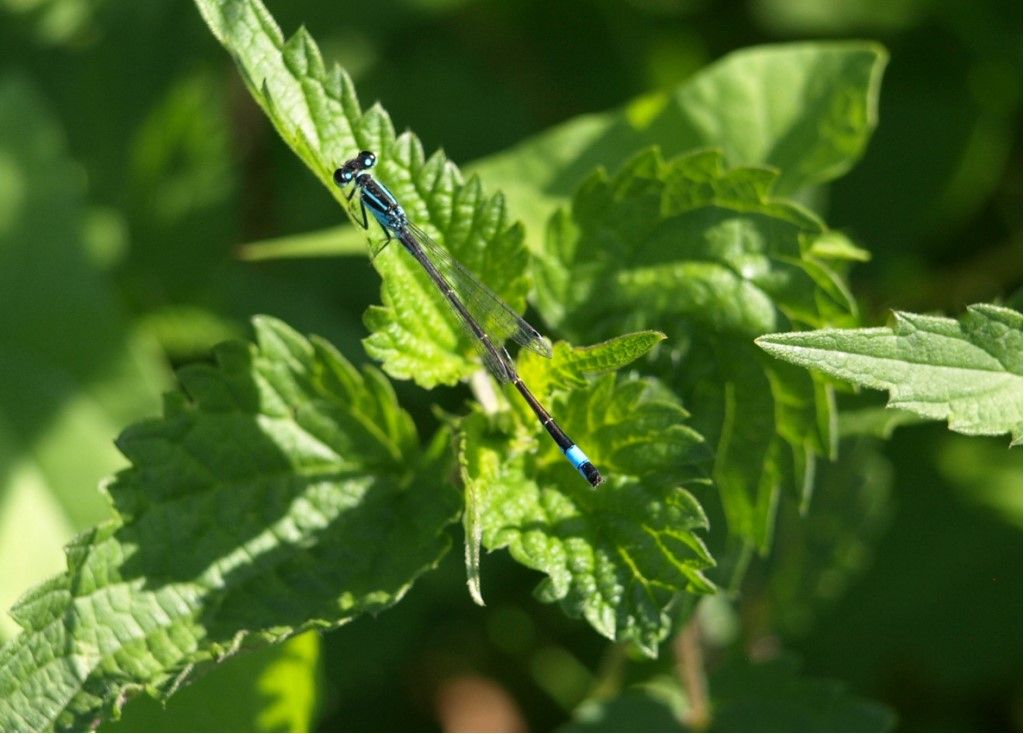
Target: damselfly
{"type": "Point", "coordinates": [488, 320]}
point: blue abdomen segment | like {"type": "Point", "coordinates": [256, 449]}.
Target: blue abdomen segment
{"type": "Point", "coordinates": [582, 464]}
{"type": "Point", "coordinates": [576, 457]}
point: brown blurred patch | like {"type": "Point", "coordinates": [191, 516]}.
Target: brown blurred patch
{"type": "Point", "coordinates": [474, 703]}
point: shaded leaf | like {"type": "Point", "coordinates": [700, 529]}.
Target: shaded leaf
{"type": "Point", "coordinates": [877, 421]}
{"type": "Point", "coordinates": [333, 242]}
{"type": "Point", "coordinates": [270, 689]}
{"type": "Point", "coordinates": [985, 474]}
{"type": "Point", "coordinates": [656, 705]}
{"type": "Point", "coordinates": [821, 551]}
{"type": "Point", "coordinates": [745, 696]}
{"type": "Point", "coordinates": [773, 696]}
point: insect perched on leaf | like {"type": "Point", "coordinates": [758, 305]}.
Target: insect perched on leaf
{"type": "Point", "coordinates": [489, 321]}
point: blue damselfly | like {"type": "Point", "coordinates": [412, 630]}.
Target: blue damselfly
{"type": "Point", "coordinates": [489, 321]}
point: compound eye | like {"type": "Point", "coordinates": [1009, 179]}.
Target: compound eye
{"type": "Point", "coordinates": [367, 159]}
{"type": "Point", "coordinates": [342, 176]}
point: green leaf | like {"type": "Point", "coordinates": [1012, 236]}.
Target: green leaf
{"type": "Point", "coordinates": [334, 242]}
{"type": "Point", "coordinates": [315, 110]}
{"type": "Point", "coordinates": [821, 550]}
{"type": "Point", "coordinates": [271, 689]}
{"type": "Point", "coordinates": [687, 238]}
{"type": "Point", "coordinates": [834, 245]}
{"type": "Point", "coordinates": [983, 473]}
{"type": "Point", "coordinates": [807, 109]}
{"type": "Point", "coordinates": [707, 254]}
{"type": "Point", "coordinates": [66, 391]}
{"type": "Point", "coordinates": [876, 421]}
{"type": "Point", "coordinates": [655, 705]}
{"type": "Point", "coordinates": [569, 366]}
{"type": "Point", "coordinates": [249, 513]}
{"type": "Point", "coordinates": [621, 555]}
{"type": "Point", "coordinates": [967, 372]}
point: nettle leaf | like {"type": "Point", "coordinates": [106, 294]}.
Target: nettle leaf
{"type": "Point", "coordinates": [282, 490]}
{"type": "Point", "coordinates": [686, 238]}
{"type": "Point", "coordinates": [967, 372]}
{"type": "Point", "coordinates": [271, 689]}
{"type": "Point", "coordinates": [315, 110]}
{"type": "Point", "coordinates": [620, 556]}
{"type": "Point", "coordinates": [819, 554]}
{"type": "Point", "coordinates": [570, 366]}
{"type": "Point", "coordinates": [876, 421]}
{"type": "Point", "coordinates": [807, 109]}
{"type": "Point", "coordinates": [707, 254]}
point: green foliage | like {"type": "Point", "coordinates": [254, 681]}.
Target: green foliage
{"type": "Point", "coordinates": [706, 253]}
{"type": "Point", "coordinates": [71, 371]}
{"type": "Point", "coordinates": [271, 689]}
{"type": "Point", "coordinates": [284, 490]}
{"type": "Point", "coordinates": [744, 696]}
{"type": "Point", "coordinates": [772, 696]}
{"type": "Point", "coordinates": [620, 555]}
{"type": "Point", "coordinates": [805, 109]}
{"type": "Point", "coordinates": [984, 473]}
{"type": "Point", "coordinates": [655, 705]}
{"type": "Point", "coordinates": [818, 553]}
{"type": "Point", "coordinates": [74, 370]}
{"type": "Point", "coordinates": [315, 110]}
{"type": "Point", "coordinates": [328, 243]}
{"type": "Point", "coordinates": [967, 372]}
{"type": "Point", "coordinates": [245, 517]}
{"type": "Point", "coordinates": [78, 344]}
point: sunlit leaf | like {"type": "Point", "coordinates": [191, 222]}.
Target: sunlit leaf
{"type": "Point", "coordinates": [620, 555]}
{"type": "Point", "coordinates": [249, 513]}
{"type": "Point", "coordinates": [807, 109]}
{"type": "Point", "coordinates": [966, 372]}
{"type": "Point", "coordinates": [315, 110]}
{"type": "Point", "coordinates": [710, 256]}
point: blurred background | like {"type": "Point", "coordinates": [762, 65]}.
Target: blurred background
{"type": "Point", "coordinates": [133, 165]}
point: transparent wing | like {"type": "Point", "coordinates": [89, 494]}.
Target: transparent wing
{"type": "Point", "coordinates": [492, 314]}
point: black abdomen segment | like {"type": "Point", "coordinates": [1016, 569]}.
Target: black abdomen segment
{"type": "Point", "coordinates": [570, 450]}
{"type": "Point", "coordinates": [501, 360]}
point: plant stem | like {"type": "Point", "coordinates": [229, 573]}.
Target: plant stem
{"type": "Point", "coordinates": [482, 387]}
{"type": "Point", "coordinates": [690, 669]}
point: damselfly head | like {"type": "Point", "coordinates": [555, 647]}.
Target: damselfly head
{"type": "Point", "coordinates": [344, 175]}
{"type": "Point", "coordinates": [366, 159]}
